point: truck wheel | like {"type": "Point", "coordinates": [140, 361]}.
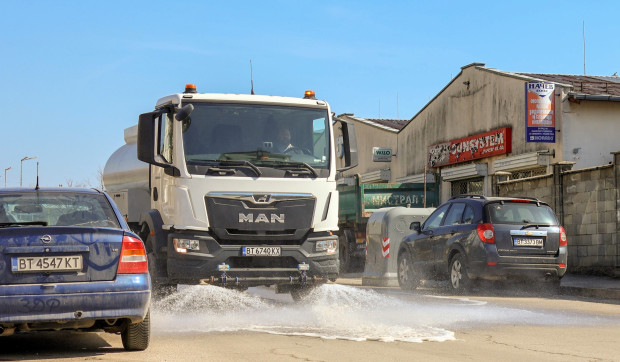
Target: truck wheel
{"type": "Point", "coordinates": [408, 278]}
{"type": "Point", "coordinates": [459, 280]}
{"type": "Point", "coordinates": [300, 292]}
{"type": "Point", "coordinates": [136, 337]}
{"type": "Point", "coordinates": [345, 253]}
{"type": "Point", "coordinates": [159, 287]}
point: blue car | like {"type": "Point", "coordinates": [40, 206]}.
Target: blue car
{"type": "Point", "coordinates": [69, 261]}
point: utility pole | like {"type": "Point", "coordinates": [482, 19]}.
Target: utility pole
{"type": "Point", "coordinates": [21, 166]}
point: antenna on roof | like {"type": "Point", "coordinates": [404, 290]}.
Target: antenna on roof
{"type": "Point", "coordinates": [251, 78]}
{"type": "Point", "coordinates": [397, 114]}
{"type": "Point", "coordinates": [584, 46]}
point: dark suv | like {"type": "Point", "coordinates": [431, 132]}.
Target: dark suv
{"type": "Point", "coordinates": [473, 236]}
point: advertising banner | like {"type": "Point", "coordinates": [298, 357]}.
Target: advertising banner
{"type": "Point", "coordinates": [539, 112]}
{"type": "Point", "coordinates": [491, 143]}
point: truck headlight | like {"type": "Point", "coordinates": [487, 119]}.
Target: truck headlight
{"type": "Point", "coordinates": [183, 245]}
{"type": "Point", "coordinates": [329, 246]}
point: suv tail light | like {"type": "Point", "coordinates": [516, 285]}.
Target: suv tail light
{"type": "Point", "coordinates": [563, 239]}
{"type": "Point", "coordinates": [133, 257]}
{"type": "Point", "coordinates": [486, 233]}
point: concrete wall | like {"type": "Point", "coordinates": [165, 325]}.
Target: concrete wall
{"type": "Point", "coordinates": [587, 202]}
{"type": "Point", "coordinates": [594, 129]}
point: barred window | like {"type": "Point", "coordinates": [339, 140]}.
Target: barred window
{"type": "Point", "coordinates": [468, 186]}
{"type": "Point", "coordinates": [539, 171]}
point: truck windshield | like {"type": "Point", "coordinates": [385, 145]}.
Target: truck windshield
{"type": "Point", "coordinates": [265, 140]}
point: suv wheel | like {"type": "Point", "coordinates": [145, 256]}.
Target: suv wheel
{"type": "Point", "coordinates": [459, 280]}
{"type": "Point", "coordinates": [408, 279]}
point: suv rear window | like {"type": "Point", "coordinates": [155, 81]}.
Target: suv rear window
{"type": "Point", "coordinates": [520, 213]}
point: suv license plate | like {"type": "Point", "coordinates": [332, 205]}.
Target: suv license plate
{"type": "Point", "coordinates": [25, 264]}
{"type": "Point", "coordinates": [261, 251]}
{"type": "Point", "coordinates": [537, 242]}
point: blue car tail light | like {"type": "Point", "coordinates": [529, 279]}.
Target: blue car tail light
{"type": "Point", "coordinates": [133, 257]}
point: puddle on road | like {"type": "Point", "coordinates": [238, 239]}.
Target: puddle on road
{"type": "Point", "coordinates": [332, 311]}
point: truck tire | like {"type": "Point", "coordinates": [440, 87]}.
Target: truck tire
{"type": "Point", "coordinates": [346, 253]}
{"type": "Point", "coordinates": [160, 287]}
{"type": "Point", "coordinates": [301, 292]}
{"type": "Point", "coordinates": [136, 337]}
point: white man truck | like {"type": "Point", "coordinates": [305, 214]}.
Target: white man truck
{"type": "Point", "coordinates": [201, 181]}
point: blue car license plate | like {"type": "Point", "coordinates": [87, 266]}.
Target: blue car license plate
{"type": "Point", "coordinates": [25, 264]}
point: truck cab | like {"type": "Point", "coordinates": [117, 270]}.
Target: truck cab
{"type": "Point", "coordinates": [233, 199]}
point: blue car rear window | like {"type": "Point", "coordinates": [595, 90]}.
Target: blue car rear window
{"type": "Point", "coordinates": [56, 209]}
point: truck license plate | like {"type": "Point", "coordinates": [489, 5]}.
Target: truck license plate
{"type": "Point", "coordinates": [63, 263]}
{"type": "Point", "coordinates": [538, 242]}
{"type": "Point", "coordinates": [261, 251]}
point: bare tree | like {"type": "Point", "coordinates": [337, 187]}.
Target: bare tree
{"type": "Point", "coordinates": [100, 177]}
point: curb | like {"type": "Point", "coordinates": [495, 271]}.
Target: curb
{"type": "Point", "coordinates": [600, 293]}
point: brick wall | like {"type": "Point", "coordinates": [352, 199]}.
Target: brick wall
{"type": "Point", "coordinates": [587, 204]}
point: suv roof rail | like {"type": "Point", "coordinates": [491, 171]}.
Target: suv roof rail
{"type": "Point", "coordinates": [526, 198]}
{"type": "Point", "coordinates": [469, 196]}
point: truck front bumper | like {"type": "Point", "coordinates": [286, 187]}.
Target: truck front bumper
{"type": "Point", "coordinates": [202, 265]}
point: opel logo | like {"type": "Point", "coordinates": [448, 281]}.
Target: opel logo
{"type": "Point", "coordinates": [46, 239]}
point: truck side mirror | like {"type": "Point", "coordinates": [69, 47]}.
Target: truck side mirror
{"type": "Point", "coordinates": [349, 145]}
{"type": "Point", "coordinates": [149, 128]}
{"type": "Point", "coordinates": [416, 226]}
{"type": "Point", "coordinates": [184, 112]}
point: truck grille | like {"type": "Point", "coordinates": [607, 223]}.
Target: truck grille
{"type": "Point", "coordinates": [262, 262]}
{"type": "Point", "coordinates": [258, 217]}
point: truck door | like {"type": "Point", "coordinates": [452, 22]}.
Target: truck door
{"type": "Point", "coordinates": [155, 147]}
{"type": "Point", "coordinates": [159, 180]}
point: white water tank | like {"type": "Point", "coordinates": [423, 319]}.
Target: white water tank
{"type": "Point", "coordinates": [123, 170]}
{"type": "Point", "coordinates": [126, 179]}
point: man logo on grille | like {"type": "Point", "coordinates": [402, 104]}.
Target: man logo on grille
{"type": "Point", "coordinates": [249, 218]}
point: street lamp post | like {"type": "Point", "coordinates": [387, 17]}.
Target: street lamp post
{"type": "Point", "coordinates": [5, 170]}
{"type": "Point", "coordinates": [21, 166]}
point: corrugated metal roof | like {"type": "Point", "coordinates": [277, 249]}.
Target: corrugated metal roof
{"type": "Point", "coordinates": [394, 123]}
{"type": "Point", "coordinates": [586, 84]}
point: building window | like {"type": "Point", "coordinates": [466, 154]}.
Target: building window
{"type": "Point", "coordinates": [539, 171]}
{"type": "Point", "coordinates": [468, 186]}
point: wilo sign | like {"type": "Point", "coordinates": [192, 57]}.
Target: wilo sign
{"type": "Point", "coordinates": [381, 154]}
